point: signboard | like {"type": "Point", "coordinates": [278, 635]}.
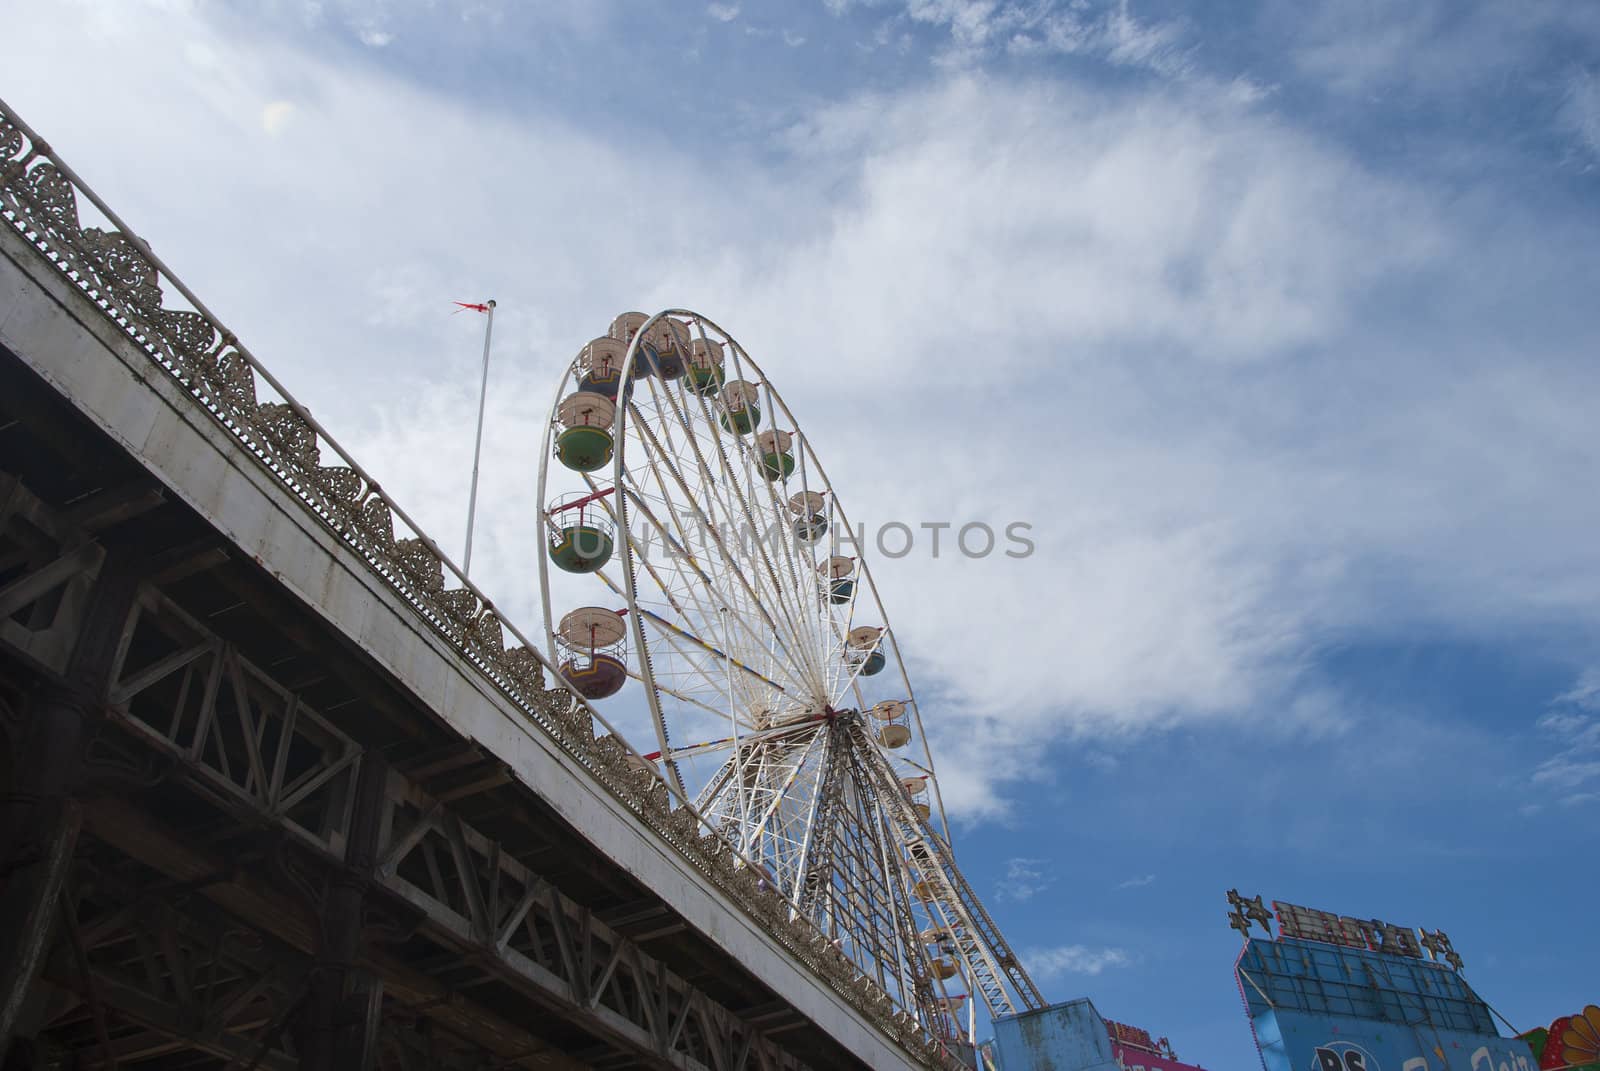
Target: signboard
{"type": "Point", "coordinates": [1131, 1059]}
{"type": "Point", "coordinates": [1315, 1043]}
{"type": "Point", "coordinates": [1311, 924]}
{"type": "Point", "coordinates": [1135, 1050]}
{"type": "Point", "coordinates": [1331, 992]}
{"type": "Point", "coordinates": [1136, 1036]}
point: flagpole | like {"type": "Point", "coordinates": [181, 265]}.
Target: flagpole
{"type": "Point", "coordinates": [477, 449]}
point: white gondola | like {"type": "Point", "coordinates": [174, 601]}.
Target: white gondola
{"type": "Point", "coordinates": [809, 510]}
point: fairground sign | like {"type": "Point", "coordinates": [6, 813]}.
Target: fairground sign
{"type": "Point", "coordinates": [1310, 924]}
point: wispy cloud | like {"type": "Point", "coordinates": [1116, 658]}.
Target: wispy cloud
{"type": "Point", "coordinates": [1572, 724]}
{"type": "Point", "coordinates": [1024, 879]}
{"type": "Point", "coordinates": [1582, 112]}
{"type": "Point", "coordinates": [1105, 29]}
{"type": "Point", "coordinates": [1049, 963]}
{"type": "Point", "coordinates": [1137, 883]}
{"type": "Point", "coordinates": [723, 12]}
{"type": "Point", "coordinates": [275, 115]}
{"type": "Point", "coordinates": [1363, 49]}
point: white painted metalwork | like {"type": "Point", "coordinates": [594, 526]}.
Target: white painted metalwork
{"type": "Point", "coordinates": [756, 637]}
{"type": "Point", "coordinates": [477, 442]}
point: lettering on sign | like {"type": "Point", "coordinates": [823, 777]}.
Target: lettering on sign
{"type": "Point", "coordinates": [1311, 924]}
{"type": "Point", "coordinates": [1131, 1035]}
{"type": "Point", "coordinates": [1484, 1060]}
{"type": "Point", "coordinates": [1343, 1056]}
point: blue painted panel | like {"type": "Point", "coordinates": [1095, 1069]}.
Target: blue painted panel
{"type": "Point", "coordinates": [1320, 1007]}
{"type": "Point", "coordinates": [1318, 978]}
{"type": "Point", "coordinates": [1063, 1037]}
{"type": "Point", "coordinates": [1295, 1041]}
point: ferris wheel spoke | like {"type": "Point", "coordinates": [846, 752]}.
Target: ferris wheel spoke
{"type": "Point", "coordinates": [769, 833]}
{"type": "Point", "coordinates": [754, 700]}
{"type": "Point", "coordinates": [708, 747]}
{"type": "Point", "coordinates": [671, 601]}
{"type": "Point", "coordinates": [666, 591]}
{"type": "Point", "coordinates": [681, 697]}
{"type": "Point", "coordinates": [811, 603]}
{"type": "Point", "coordinates": [705, 612]}
{"type": "Point", "coordinates": [800, 562]}
{"type": "Point", "coordinates": [779, 790]}
{"type": "Point", "coordinates": [672, 633]}
{"type": "Point", "coordinates": [744, 584]}
{"type": "Point", "coordinates": [741, 512]}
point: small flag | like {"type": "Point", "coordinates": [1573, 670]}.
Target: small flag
{"type": "Point", "coordinates": [473, 307]}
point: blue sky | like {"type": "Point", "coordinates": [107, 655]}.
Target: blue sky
{"type": "Point", "coordinates": [1278, 325]}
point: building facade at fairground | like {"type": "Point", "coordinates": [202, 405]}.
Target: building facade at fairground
{"type": "Point", "coordinates": [1073, 1036]}
{"type": "Point", "coordinates": [1325, 992]}
{"type": "Point", "coordinates": [1329, 992]}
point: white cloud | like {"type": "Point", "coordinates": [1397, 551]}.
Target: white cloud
{"type": "Point", "coordinates": [1249, 393]}
{"type": "Point", "coordinates": [1572, 724]}
{"type": "Point", "coordinates": [276, 115]}
{"type": "Point", "coordinates": [1582, 111]}
{"type": "Point", "coordinates": [1047, 964]}
{"type": "Point", "coordinates": [1585, 694]}
{"type": "Point", "coordinates": [1108, 30]}
{"type": "Point", "coordinates": [375, 38]}
{"type": "Point", "coordinates": [1368, 49]}
{"type": "Point", "coordinates": [723, 12]}
{"type": "Point", "coordinates": [1138, 882]}
{"type": "Point", "coordinates": [1024, 879]}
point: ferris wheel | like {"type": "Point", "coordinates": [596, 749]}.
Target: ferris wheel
{"type": "Point", "coordinates": [726, 592]}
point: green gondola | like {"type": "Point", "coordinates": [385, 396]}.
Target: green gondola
{"type": "Point", "coordinates": [704, 380]}
{"type": "Point", "coordinates": [584, 448]}
{"type": "Point", "coordinates": [741, 421]}
{"type": "Point", "coordinates": [777, 466]}
{"type": "Point", "coordinates": [581, 548]}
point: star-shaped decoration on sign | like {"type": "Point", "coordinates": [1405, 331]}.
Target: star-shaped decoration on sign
{"type": "Point", "coordinates": [1245, 910]}
{"type": "Point", "coordinates": [1438, 945]}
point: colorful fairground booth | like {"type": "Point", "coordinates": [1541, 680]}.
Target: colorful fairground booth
{"type": "Point", "coordinates": [1570, 1043]}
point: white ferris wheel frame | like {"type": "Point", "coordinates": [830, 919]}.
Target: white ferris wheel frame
{"type": "Point", "coordinates": [743, 367]}
{"type": "Point", "coordinates": [951, 906]}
